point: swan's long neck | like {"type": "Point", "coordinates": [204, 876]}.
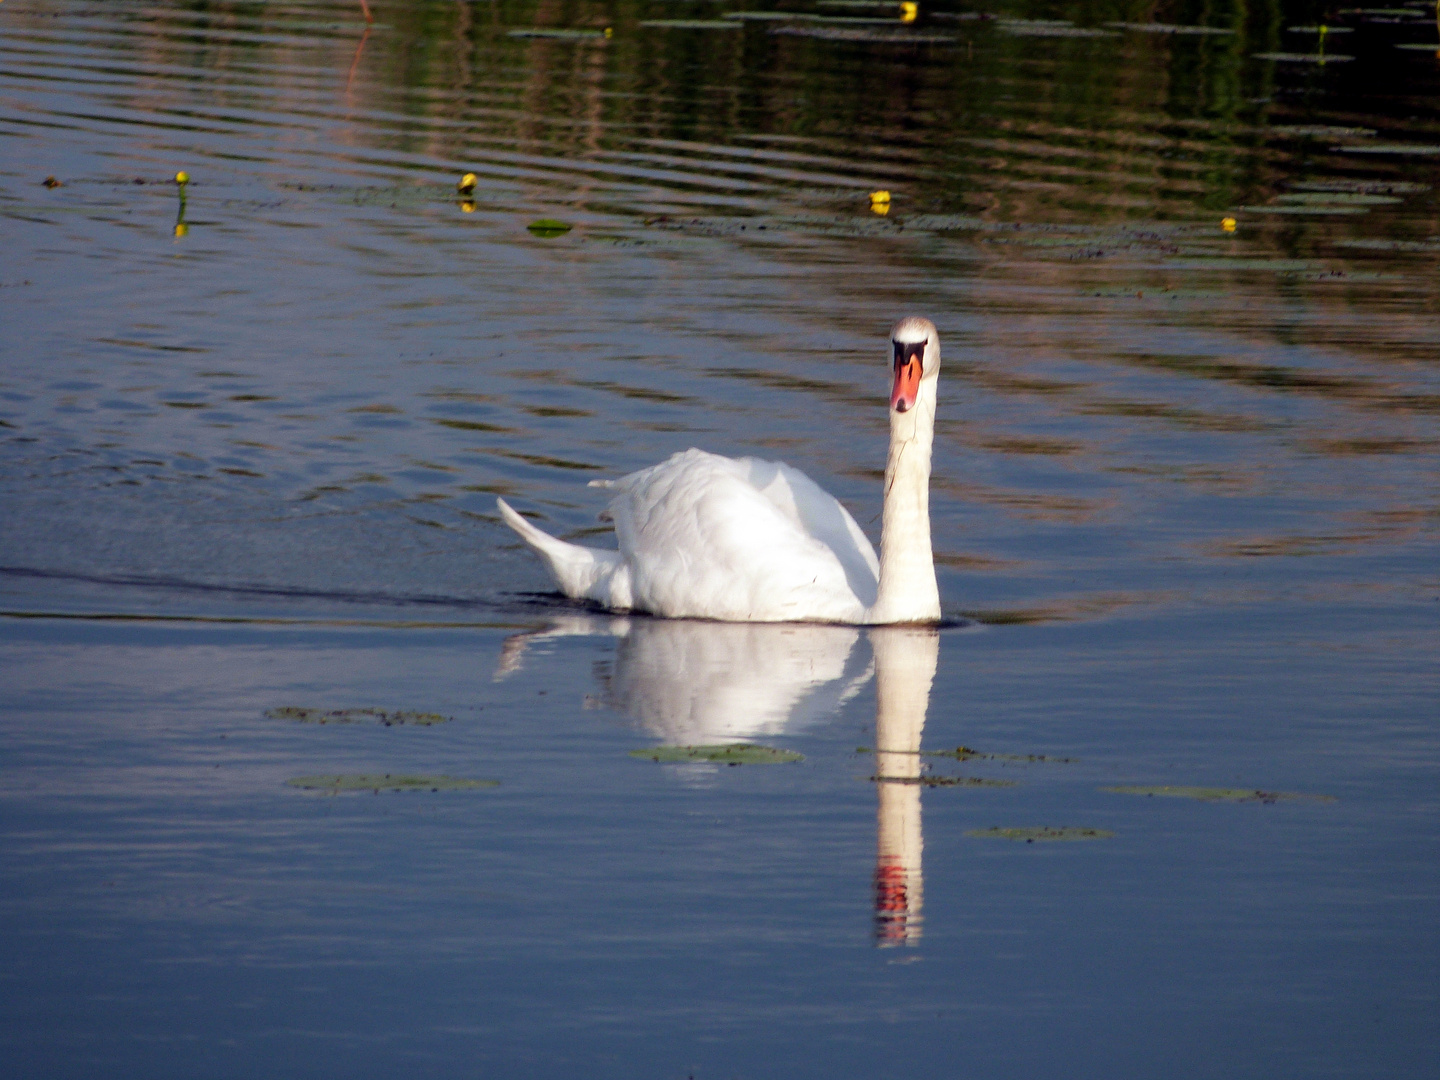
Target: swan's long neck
{"type": "Point", "coordinates": [908, 591]}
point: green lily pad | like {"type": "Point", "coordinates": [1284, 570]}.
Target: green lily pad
{"type": "Point", "coordinates": [1040, 833]}
{"type": "Point", "coordinates": [1302, 58]}
{"type": "Point", "coordinates": [964, 753]}
{"type": "Point", "coordinates": [1419, 149]}
{"type": "Point", "coordinates": [557, 34]}
{"type": "Point", "coordinates": [942, 781]}
{"type": "Point", "coordinates": [378, 782]}
{"type": "Point", "coordinates": [1421, 46]}
{"type": "Point", "coordinates": [547, 227]}
{"type": "Point", "coordinates": [1362, 187]}
{"type": "Point", "coordinates": [723, 754]}
{"type": "Point", "coordinates": [384, 717]}
{"type": "Point", "coordinates": [1338, 198]}
{"type": "Point", "coordinates": [692, 24]}
{"type": "Point", "coordinates": [1167, 28]}
{"type": "Point", "coordinates": [1214, 794]}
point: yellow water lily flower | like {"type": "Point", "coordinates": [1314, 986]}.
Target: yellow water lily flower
{"type": "Point", "coordinates": [909, 11]}
{"type": "Point", "coordinates": [1228, 224]}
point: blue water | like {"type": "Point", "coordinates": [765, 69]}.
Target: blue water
{"type": "Point", "coordinates": [1185, 510]}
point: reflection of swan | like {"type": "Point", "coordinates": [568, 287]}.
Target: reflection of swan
{"type": "Point", "coordinates": [693, 683]}
{"type": "Point", "coordinates": [905, 662]}
{"type": "Point", "coordinates": [743, 540]}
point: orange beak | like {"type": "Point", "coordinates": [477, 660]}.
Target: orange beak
{"type": "Point", "coordinates": [909, 367]}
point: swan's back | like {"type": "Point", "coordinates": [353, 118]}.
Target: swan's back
{"type": "Point", "coordinates": [741, 539]}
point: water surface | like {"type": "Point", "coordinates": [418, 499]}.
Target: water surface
{"type": "Point", "coordinates": [1185, 509]}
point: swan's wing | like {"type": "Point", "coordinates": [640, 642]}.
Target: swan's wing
{"type": "Point", "coordinates": [822, 516]}
{"type": "Point", "coordinates": [702, 540]}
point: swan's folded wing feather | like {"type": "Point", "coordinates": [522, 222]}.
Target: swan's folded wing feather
{"type": "Point", "coordinates": [822, 516]}
{"type": "Point", "coordinates": [703, 541]}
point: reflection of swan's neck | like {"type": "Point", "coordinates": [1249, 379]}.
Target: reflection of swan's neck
{"type": "Point", "coordinates": [905, 662]}
{"type": "Point", "coordinates": [908, 591]}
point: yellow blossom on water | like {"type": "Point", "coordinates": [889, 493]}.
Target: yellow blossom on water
{"type": "Point", "coordinates": [181, 229]}
{"type": "Point", "coordinates": [877, 197]}
{"type": "Point", "coordinates": [609, 32]}
{"type": "Point", "coordinates": [182, 177]}
{"type": "Point", "coordinates": [909, 11]}
{"type": "Point", "coordinates": [1228, 224]}
{"type": "Point", "coordinates": [468, 206]}
{"type": "Point", "coordinates": [467, 184]}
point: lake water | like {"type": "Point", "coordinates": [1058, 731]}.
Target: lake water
{"type": "Point", "coordinates": [1185, 508]}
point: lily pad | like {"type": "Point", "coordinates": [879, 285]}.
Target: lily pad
{"type": "Point", "coordinates": [378, 782]}
{"type": "Point", "coordinates": [722, 754]}
{"type": "Point", "coordinates": [557, 34]}
{"type": "Point", "coordinates": [1369, 187]}
{"type": "Point", "coordinates": [1420, 46]}
{"type": "Point", "coordinates": [1418, 149]}
{"type": "Point", "coordinates": [1327, 30]}
{"type": "Point", "coordinates": [870, 35]}
{"type": "Point", "coordinates": [548, 227]}
{"type": "Point", "coordinates": [1040, 833]}
{"type": "Point", "coordinates": [691, 24]}
{"type": "Point", "coordinates": [965, 753]}
{"type": "Point", "coordinates": [1302, 58]}
{"type": "Point", "coordinates": [942, 781]}
{"type": "Point", "coordinates": [384, 717]}
{"type": "Point", "coordinates": [1050, 29]}
{"type": "Point", "coordinates": [1167, 28]}
{"type": "Point", "coordinates": [1337, 198]}
{"type": "Point", "coordinates": [1215, 794]}
{"type": "Point", "coordinates": [1322, 131]}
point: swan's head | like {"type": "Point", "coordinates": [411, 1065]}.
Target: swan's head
{"type": "Point", "coordinates": [917, 357]}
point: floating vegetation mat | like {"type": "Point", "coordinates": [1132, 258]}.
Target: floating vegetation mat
{"type": "Point", "coordinates": [872, 35]}
{"type": "Point", "coordinates": [1049, 28]}
{"type": "Point", "coordinates": [1377, 244]}
{"type": "Point", "coordinates": [1322, 131]}
{"type": "Point", "coordinates": [1338, 198]}
{"type": "Point", "coordinates": [964, 753]}
{"type": "Point", "coordinates": [723, 754]}
{"type": "Point", "coordinates": [1302, 58]}
{"type": "Point", "coordinates": [1388, 148]}
{"type": "Point", "coordinates": [692, 24]}
{"type": "Point", "coordinates": [1167, 28]}
{"type": "Point", "coordinates": [1043, 833]}
{"type": "Point", "coordinates": [548, 227]}
{"type": "Point", "coordinates": [558, 35]}
{"type": "Point", "coordinates": [768, 15]}
{"type": "Point", "coordinates": [1215, 794]}
{"type": "Point", "coordinates": [1315, 209]}
{"type": "Point", "coordinates": [942, 781]}
{"type": "Point", "coordinates": [378, 782]}
{"type": "Point", "coordinates": [384, 717]}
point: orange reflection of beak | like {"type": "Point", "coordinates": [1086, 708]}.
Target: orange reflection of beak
{"type": "Point", "coordinates": [906, 387]}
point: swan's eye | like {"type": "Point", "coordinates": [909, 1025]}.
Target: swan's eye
{"type": "Point", "coordinates": [905, 352]}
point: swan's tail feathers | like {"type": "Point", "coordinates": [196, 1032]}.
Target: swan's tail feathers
{"type": "Point", "coordinates": [581, 572]}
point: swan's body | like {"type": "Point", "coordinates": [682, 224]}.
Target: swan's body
{"type": "Point", "coordinates": [744, 540]}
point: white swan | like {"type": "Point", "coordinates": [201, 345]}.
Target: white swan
{"type": "Point", "coordinates": [743, 540]}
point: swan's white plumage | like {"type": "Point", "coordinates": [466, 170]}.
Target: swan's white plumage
{"type": "Point", "coordinates": [744, 540]}
{"type": "Point", "coordinates": [705, 536]}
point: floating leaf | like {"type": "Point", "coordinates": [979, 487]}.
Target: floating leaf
{"type": "Point", "coordinates": [1042, 833]}
{"type": "Point", "coordinates": [724, 754]}
{"type": "Point", "coordinates": [384, 717]}
{"type": "Point", "coordinates": [548, 227]}
{"type": "Point", "coordinates": [1167, 28]}
{"type": "Point", "coordinates": [1419, 149]}
{"type": "Point", "coordinates": [1214, 794]}
{"type": "Point", "coordinates": [1049, 29]}
{"type": "Point", "coordinates": [1302, 58]}
{"type": "Point", "coordinates": [378, 782]}
{"type": "Point", "coordinates": [691, 24]}
{"type": "Point", "coordinates": [558, 34]}
{"type": "Point", "coordinates": [1319, 131]}
{"type": "Point", "coordinates": [1337, 198]}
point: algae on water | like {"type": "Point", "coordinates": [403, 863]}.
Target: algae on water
{"type": "Point", "coordinates": [1215, 794]}
{"type": "Point", "coordinates": [383, 717]}
{"type": "Point", "coordinates": [926, 780]}
{"type": "Point", "coordinates": [378, 782]}
{"type": "Point", "coordinates": [724, 754]}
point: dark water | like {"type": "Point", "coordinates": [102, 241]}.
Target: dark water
{"type": "Point", "coordinates": [1185, 509]}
